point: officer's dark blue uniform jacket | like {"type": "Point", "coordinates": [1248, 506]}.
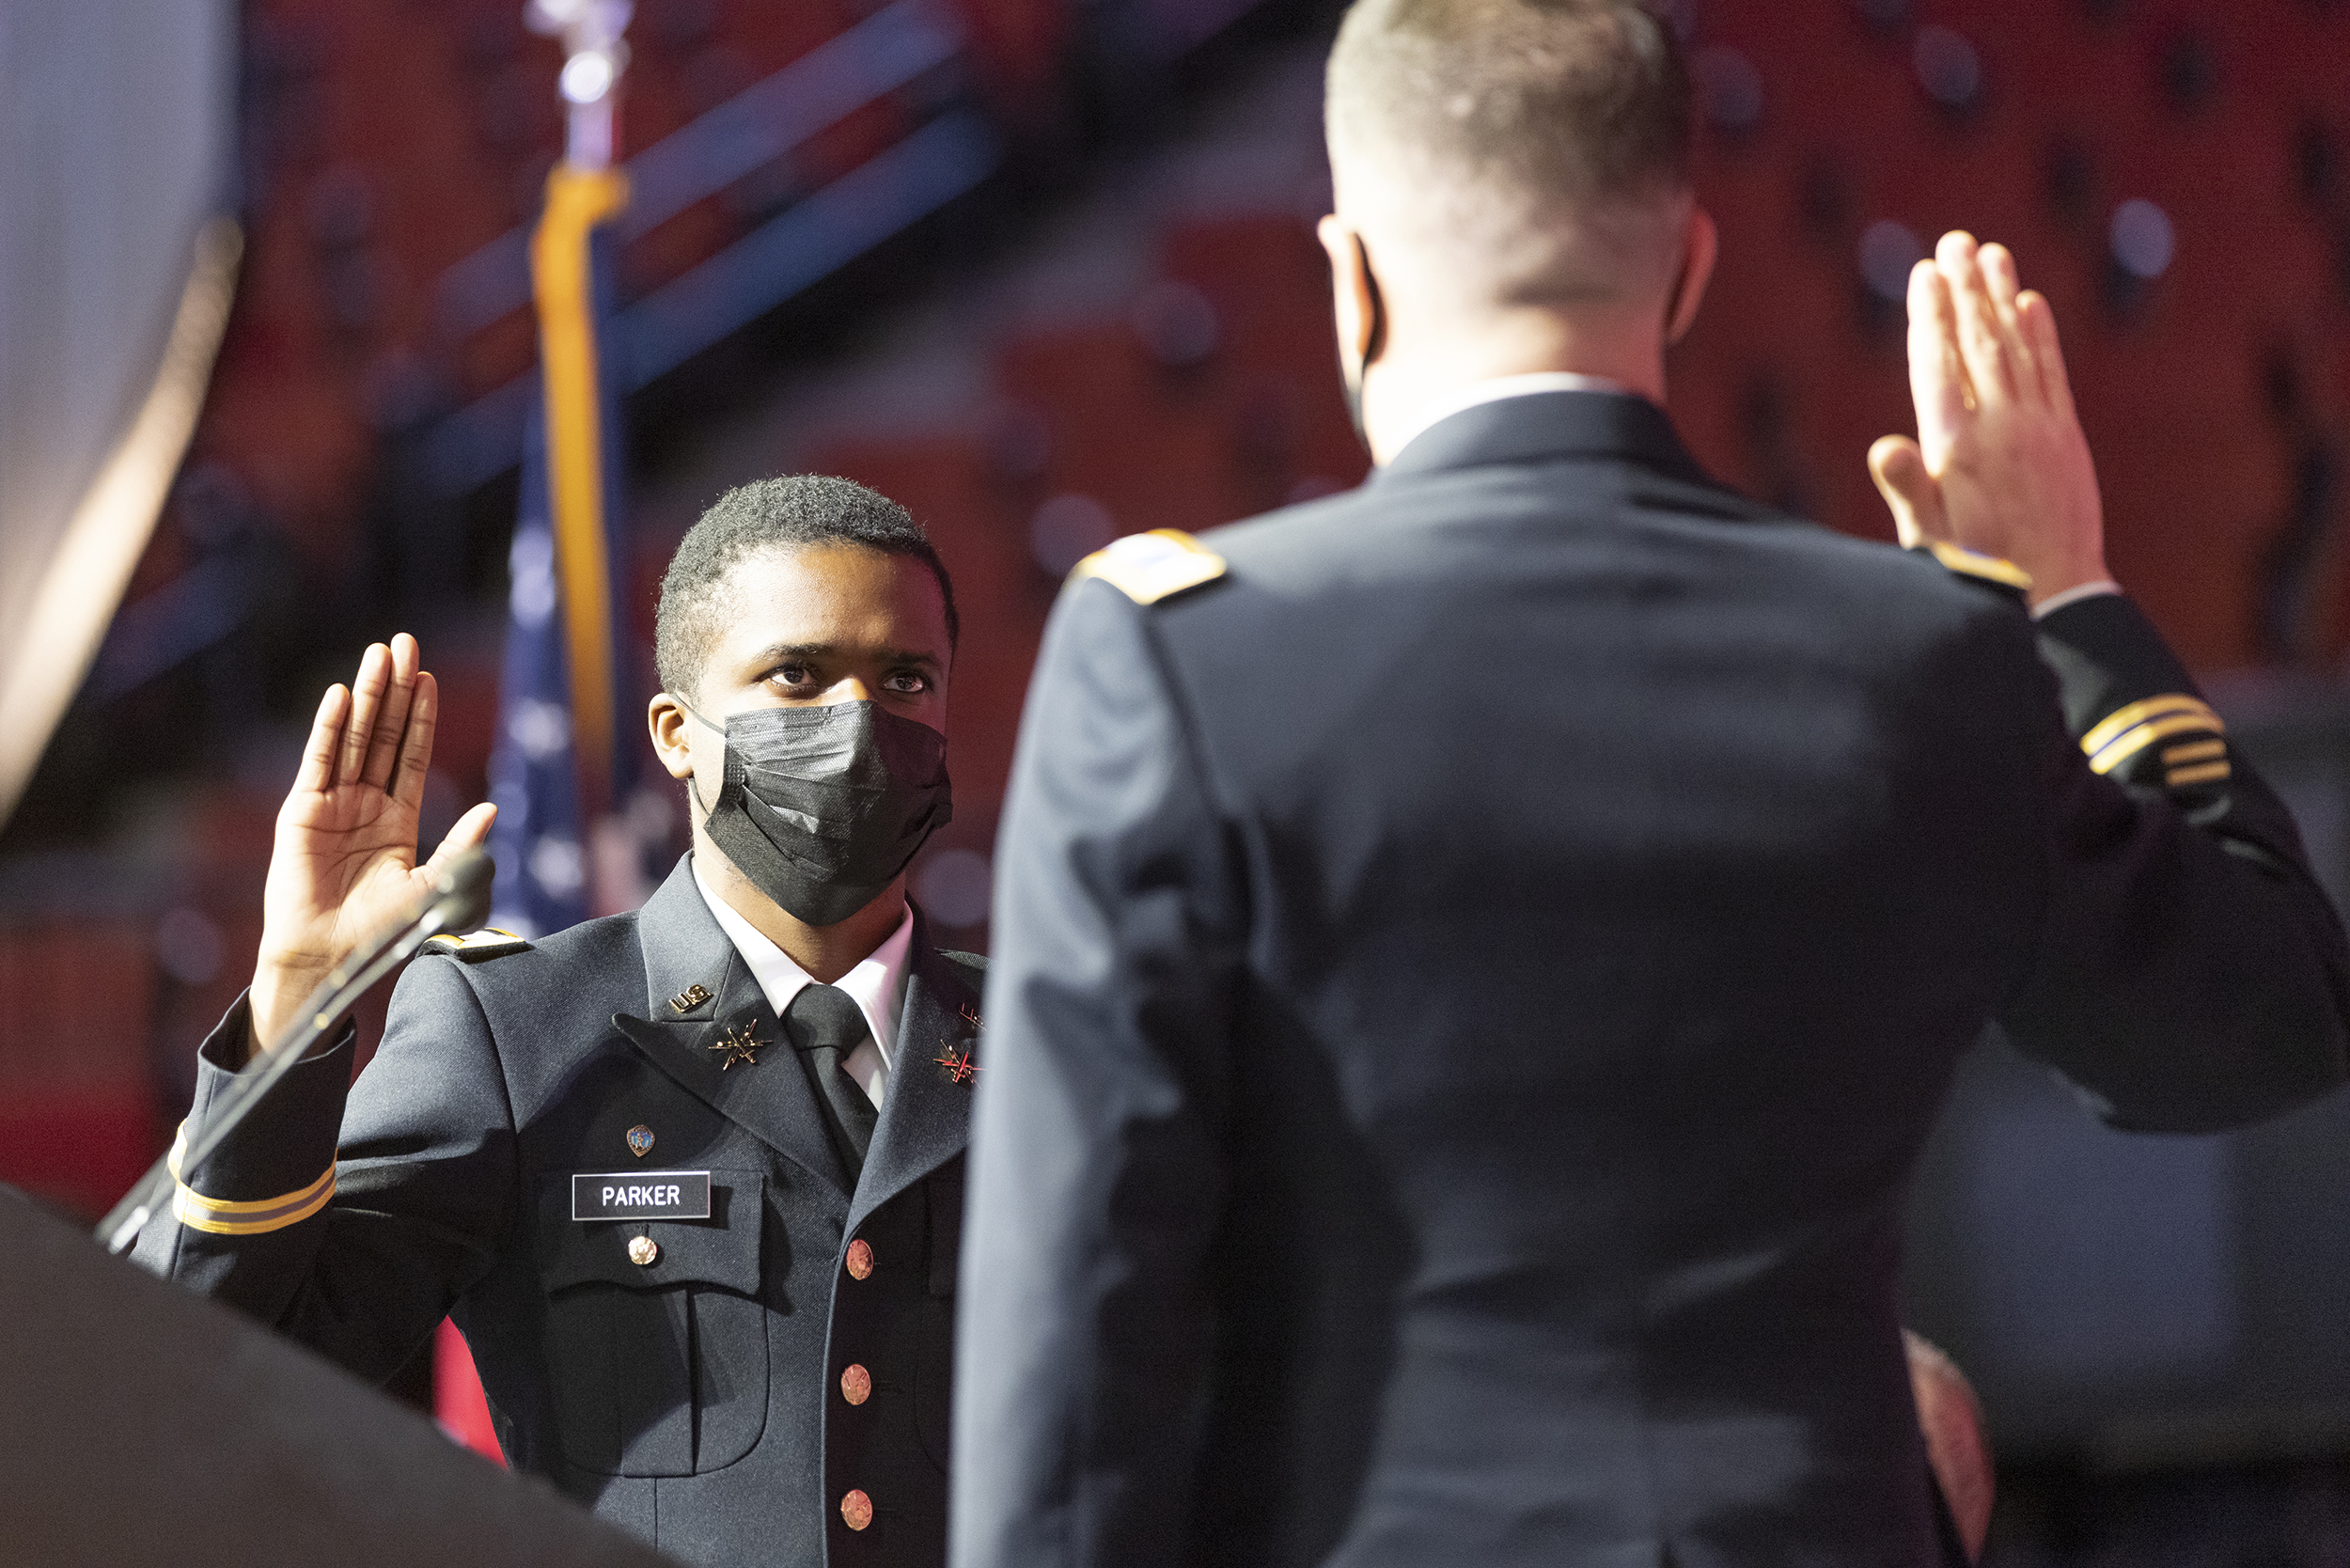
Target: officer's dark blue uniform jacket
{"type": "Point", "coordinates": [1472, 977]}
{"type": "Point", "coordinates": [696, 1399]}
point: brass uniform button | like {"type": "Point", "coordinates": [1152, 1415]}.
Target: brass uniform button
{"type": "Point", "coordinates": [856, 1383]}
{"type": "Point", "coordinates": [643, 1251]}
{"type": "Point", "coordinates": [856, 1510]}
{"type": "Point", "coordinates": [860, 1259]}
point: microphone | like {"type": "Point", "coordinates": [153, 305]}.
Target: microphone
{"type": "Point", "coordinates": [461, 893]}
{"type": "Point", "coordinates": [458, 901]}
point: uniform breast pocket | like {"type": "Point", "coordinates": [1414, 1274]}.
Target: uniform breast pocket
{"type": "Point", "coordinates": [657, 1355]}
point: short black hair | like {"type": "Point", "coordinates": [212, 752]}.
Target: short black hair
{"type": "Point", "coordinates": [1588, 101]}
{"type": "Point", "coordinates": [793, 512]}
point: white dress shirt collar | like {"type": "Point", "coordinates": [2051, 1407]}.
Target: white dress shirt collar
{"type": "Point", "coordinates": [1494, 388]}
{"type": "Point", "coordinates": [877, 984]}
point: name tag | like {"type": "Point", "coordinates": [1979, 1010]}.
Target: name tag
{"type": "Point", "coordinates": [641, 1195]}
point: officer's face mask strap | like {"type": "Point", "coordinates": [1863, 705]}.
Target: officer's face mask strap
{"type": "Point", "coordinates": [693, 780]}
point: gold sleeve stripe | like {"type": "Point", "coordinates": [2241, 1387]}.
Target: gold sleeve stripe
{"type": "Point", "coordinates": [199, 1213]}
{"type": "Point", "coordinates": [2138, 712]}
{"type": "Point", "coordinates": [2132, 741]}
{"type": "Point", "coordinates": [223, 1217]}
{"type": "Point", "coordinates": [2206, 773]}
{"type": "Point", "coordinates": [2195, 751]}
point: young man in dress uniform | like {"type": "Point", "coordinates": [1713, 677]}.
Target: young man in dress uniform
{"type": "Point", "coordinates": [691, 1179]}
{"type": "Point", "coordinates": [1476, 959]}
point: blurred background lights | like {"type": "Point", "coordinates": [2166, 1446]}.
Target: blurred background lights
{"type": "Point", "coordinates": [1883, 16]}
{"type": "Point", "coordinates": [2143, 238]}
{"type": "Point", "coordinates": [558, 864]}
{"type": "Point", "coordinates": [1730, 89]}
{"type": "Point", "coordinates": [1177, 325]}
{"type": "Point", "coordinates": [1068, 528]}
{"type": "Point", "coordinates": [189, 946]}
{"type": "Point", "coordinates": [954, 886]}
{"type": "Point", "coordinates": [1947, 67]}
{"type": "Point", "coordinates": [1887, 251]}
{"type": "Point", "coordinates": [588, 77]}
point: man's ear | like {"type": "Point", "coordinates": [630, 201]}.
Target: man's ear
{"type": "Point", "coordinates": [1351, 288]}
{"type": "Point", "coordinates": [666, 717]}
{"type": "Point", "coordinates": [1700, 246]}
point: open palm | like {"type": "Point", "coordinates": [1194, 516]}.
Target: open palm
{"type": "Point", "coordinates": [1999, 465]}
{"type": "Point", "coordinates": [344, 862]}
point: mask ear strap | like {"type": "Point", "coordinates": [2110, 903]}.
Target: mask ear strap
{"type": "Point", "coordinates": [693, 786]}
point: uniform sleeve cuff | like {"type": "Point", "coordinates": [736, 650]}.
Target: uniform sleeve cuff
{"type": "Point", "coordinates": [2073, 595]}
{"type": "Point", "coordinates": [279, 1167]}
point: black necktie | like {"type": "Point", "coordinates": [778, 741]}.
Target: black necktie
{"type": "Point", "coordinates": [826, 1024]}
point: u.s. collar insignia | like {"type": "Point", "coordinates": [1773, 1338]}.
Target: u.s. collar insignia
{"type": "Point", "coordinates": [689, 998]}
{"type": "Point", "coordinates": [640, 1140]}
{"type": "Point", "coordinates": [738, 1045]}
{"type": "Point", "coordinates": [959, 1068]}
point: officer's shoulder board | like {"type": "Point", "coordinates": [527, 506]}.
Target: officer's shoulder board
{"type": "Point", "coordinates": [475, 946]}
{"type": "Point", "coordinates": [1147, 568]}
{"type": "Point", "coordinates": [1974, 564]}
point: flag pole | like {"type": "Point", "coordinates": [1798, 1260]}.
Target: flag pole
{"type": "Point", "coordinates": [583, 191]}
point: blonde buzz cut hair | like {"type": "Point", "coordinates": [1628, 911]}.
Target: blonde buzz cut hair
{"type": "Point", "coordinates": [1550, 134]}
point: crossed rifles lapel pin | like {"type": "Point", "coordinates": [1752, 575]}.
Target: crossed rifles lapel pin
{"type": "Point", "coordinates": [738, 1045]}
{"type": "Point", "coordinates": [959, 1066]}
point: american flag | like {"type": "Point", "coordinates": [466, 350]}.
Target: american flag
{"type": "Point", "coordinates": [558, 768]}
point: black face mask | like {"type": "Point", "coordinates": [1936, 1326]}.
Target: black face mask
{"type": "Point", "coordinates": [822, 807]}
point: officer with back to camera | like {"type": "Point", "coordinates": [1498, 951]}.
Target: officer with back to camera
{"type": "Point", "coordinates": [1475, 958]}
{"type": "Point", "coordinates": [690, 1180]}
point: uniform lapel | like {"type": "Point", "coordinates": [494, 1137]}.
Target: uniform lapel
{"type": "Point", "coordinates": [926, 1119]}
{"type": "Point", "coordinates": [685, 949]}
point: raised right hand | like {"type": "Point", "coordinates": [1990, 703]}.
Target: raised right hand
{"type": "Point", "coordinates": [2000, 464]}
{"type": "Point", "coordinates": [344, 862]}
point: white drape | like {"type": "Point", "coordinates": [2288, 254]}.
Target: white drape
{"type": "Point", "coordinates": [116, 126]}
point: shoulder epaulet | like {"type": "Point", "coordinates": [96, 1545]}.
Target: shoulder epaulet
{"type": "Point", "coordinates": [1975, 564]}
{"type": "Point", "coordinates": [489, 942]}
{"type": "Point", "coordinates": [1147, 568]}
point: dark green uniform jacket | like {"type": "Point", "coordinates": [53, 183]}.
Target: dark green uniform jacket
{"type": "Point", "coordinates": [685, 1377]}
{"type": "Point", "coordinates": [1474, 961]}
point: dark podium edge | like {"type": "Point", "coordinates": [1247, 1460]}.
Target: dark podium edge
{"type": "Point", "coordinates": [144, 1424]}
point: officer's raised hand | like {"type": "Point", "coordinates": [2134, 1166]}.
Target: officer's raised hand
{"type": "Point", "coordinates": [344, 862]}
{"type": "Point", "coordinates": [1999, 465]}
